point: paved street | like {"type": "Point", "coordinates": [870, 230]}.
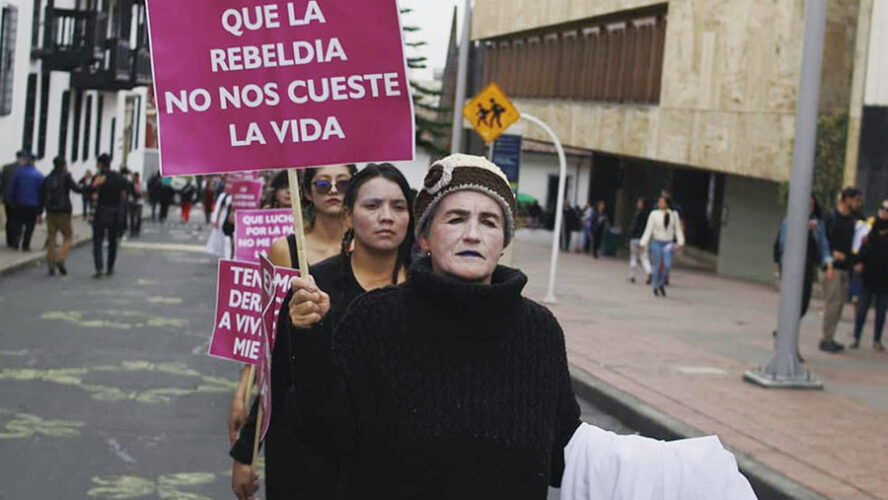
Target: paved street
{"type": "Point", "coordinates": [107, 390]}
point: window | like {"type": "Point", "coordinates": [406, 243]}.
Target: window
{"type": "Point", "coordinates": [87, 126]}
{"type": "Point", "coordinates": [35, 26]}
{"type": "Point", "coordinates": [100, 110]}
{"type": "Point", "coordinates": [30, 104]}
{"type": "Point", "coordinates": [137, 108]}
{"type": "Point", "coordinates": [44, 114]}
{"type": "Point", "coordinates": [111, 139]}
{"type": "Point", "coordinates": [63, 123]}
{"type": "Point", "coordinates": [75, 136]}
{"type": "Point", "coordinates": [8, 21]}
{"type": "Point", "coordinates": [615, 58]}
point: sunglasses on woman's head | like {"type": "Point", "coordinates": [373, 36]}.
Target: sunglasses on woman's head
{"type": "Point", "coordinates": [324, 187]}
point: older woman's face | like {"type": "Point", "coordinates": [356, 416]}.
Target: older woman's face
{"type": "Point", "coordinates": [466, 237]}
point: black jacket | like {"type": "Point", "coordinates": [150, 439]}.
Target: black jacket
{"type": "Point", "coordinates": [55, 192]}
{"type": "Point", "coordinates": [840, 234]}
{"type": "Point", "coordinates": [446, 390]}
{"type": "Point", "coordinates": [874, 257]}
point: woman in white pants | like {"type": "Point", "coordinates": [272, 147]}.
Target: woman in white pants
{"type": "Point", "coordinates": [663, 235]}
{"type": "Point", "coordinates": [636, 252]}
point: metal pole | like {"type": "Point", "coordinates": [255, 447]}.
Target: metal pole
{"type": "Point", "coordinates": [559, 216]}
{"type": "Point", "coordinates": [784, 370]}
{"type": "Point", "coordinates": [462, 74]}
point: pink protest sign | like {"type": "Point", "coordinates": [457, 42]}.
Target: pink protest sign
{"type": "Point", "coordinates": [246, 194]}
{"type": "Point", "coordinates": [245, 85]}
{"type": "Point", "coordinates": [238, 329]}
{"type": "Point", "coordinates": [233, 177]}
{"type": "Point", "coordinates": [255, 230]}
{"type": "Point", "coordinates": [263, 372]}
{"type": "Point", "coordinates": [237, 332]}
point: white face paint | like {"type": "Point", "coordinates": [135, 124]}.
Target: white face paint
{"type": "Point", "coordinates": [466, 237]}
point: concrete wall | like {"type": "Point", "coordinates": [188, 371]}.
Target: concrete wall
{"type": "Point", "coordinates": [751, 219]}
{"type": "Point", "coordinates": [876, 93]}
{"type": "Point", "coordinates": [731, 70]}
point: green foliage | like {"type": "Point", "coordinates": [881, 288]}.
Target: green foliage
{"type": "Point", "coordinates": [829, 161]}
{"type": "Point", "coordinates": [431, 134]}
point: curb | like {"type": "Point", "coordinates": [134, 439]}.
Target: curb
{"type": "Point", "coordinates": [37, 259]}
{"type": "Point", "coordinates": [651, 422]}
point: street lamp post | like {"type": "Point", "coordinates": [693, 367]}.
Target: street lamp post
{"type": "Point", "coordinates": [784, 369]}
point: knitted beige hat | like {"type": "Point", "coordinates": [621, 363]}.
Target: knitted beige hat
{"type": "Point", "coordinates": [461, 172]}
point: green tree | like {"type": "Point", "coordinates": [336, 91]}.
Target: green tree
{"type": "Point", "coordinates": [431, 132]}
{"type": "Point", "coordinates": [829, 160]}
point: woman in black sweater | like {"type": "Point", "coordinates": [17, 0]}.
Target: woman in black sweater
{"type": "Point", "coordinates": [451, 386]}
{"type": "Point", "coordinates": [873, 258]}
{"type": "Point", "coordinates": [375, 252]}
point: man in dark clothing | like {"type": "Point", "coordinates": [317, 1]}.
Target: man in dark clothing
{"type": "Point", "coordinates": [111, 187]}
{"type": "Point", "coordinates": [873, 263]}
{"type": "Point", "coordinates": [21, 158]}
{"type": "Point", "coordinates": [25, 197]}
{"type": "Point", "coordinates": [154, 194]}
{"type": "Point", "coordinates": [57, 200]}
{"type": "Point", "coordinates": [840, 227]}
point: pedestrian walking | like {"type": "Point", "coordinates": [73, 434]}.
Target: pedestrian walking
{"type": "Point", "coordinates": [662, 231]}
{"type": "Point", "coordinates": [873, 265]}
{"type": "Point", "coordinates": [817, 255]}
{"type": "Point", "coordinates": [111, 189]}
{"type": "Point", "coordinates": [22, 158]}
{"type": "Point", "coordinates": [637, 254]}
{"type": "Point", "coordinates": [840, 226]}
{"type": "Point", "coordinates": [187, 196]}
{"type": "Point", "coordinates": [56, 199]}
{"type": "Point", "coordinates": [600, 227]}
{"type": "Point", "coordinates": [208, 198]}
{"type": "Point", "coordinates": [154, 184]}
{"type": "Point", "coordinates": [373, 253]}
{"type": "Point", "coordinates": [589, 216]}
{"type": "Point", "coordinates": [165, 197]}
{"type": "Point", "coordinates": [84, 182]}
{"type": "Point", "coordinates": [570, 221]}
{"type": "Point", "coordinates": [135, 200]}
{"type": "Point", "coordinates": [25, 198]}
{"type": "Point", "coordinates": [452, 382]}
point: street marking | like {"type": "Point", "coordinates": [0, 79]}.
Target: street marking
{"type": "Point", "coordinates": [24, 426]}
{"type": "Point", "coordinates": [141, 245]}
{"type": "Point", "coordinates": [164, 300]}
{"type": "Point", "coordinates": [73, 377]}
{"type": "Point", "coordinates": [144, 282]}
{"type": "Point", "coordinates": [118, 450]}
{"type": "Point", "coordinates": [701, 370]}
{"type": "Point", "coordinates": [76, 317]}
{"type": "Point", "coordinates": [169, 486]}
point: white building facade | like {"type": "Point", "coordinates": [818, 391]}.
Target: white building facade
{"type": "Point", "coordinates": [73, 82]}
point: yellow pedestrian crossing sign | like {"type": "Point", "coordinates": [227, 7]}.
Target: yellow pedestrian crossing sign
{"type": "Point", "coordinates": [491, 112]}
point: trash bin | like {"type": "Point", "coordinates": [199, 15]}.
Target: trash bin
{"type": "Point", "coordinates": [612, 241]}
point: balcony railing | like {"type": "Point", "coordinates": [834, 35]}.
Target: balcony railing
{"type": "Point", "coordinates": [72, 38]}
{"type": "Point", "coordinates": [142, 67]}
{"type": "Point", "coordinates": [112, 71]}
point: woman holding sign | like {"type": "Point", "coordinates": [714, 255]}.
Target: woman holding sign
{"type": "Point", "coordinates": [451, 385]}
{"type": "Point", "coordinates": [373, 252]}
{"type": "Point", "coordinates": [323, 236]}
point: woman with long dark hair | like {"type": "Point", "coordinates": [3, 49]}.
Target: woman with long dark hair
{"type": "Point", "coordinates": [374, 252]}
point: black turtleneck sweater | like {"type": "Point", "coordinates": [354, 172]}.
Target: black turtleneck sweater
{"type": "Point", "coordinates": [443, 390]}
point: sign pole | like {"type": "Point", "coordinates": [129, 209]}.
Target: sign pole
{"type": "Point", "coordinates": [784, 370]}
{"type": "Point", "coordinates": [298, 225]}
{"type": "Point", "coordinates": [559, 214]}
{"type": "Point", "coordinates": [250, 381]}
{"type": "Point", "coordinates": [256, 437]}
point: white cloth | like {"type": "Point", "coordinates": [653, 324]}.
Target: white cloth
{"type": "Point", "coordinates": [657, 229]}
{"type": "Point", "coordinates": [601, 465]}
{"type": "Point", "coordinates": [218, 244]}
{"type": "Point", "coordinates": [638, 254]}
{"type": "Point", "coordinates": [861, 231]}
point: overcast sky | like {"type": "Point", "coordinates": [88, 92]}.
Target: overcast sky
{"type": "Point", "coordinates": [433, 18]}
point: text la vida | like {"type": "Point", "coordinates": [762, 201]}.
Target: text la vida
{"type": "Point", "coordinates": [293, 130]}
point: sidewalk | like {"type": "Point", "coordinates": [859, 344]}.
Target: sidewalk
{"type": "Point", "coordinates": [11, 260]}
{"type": "Point", "coordinates": [685, 356]}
